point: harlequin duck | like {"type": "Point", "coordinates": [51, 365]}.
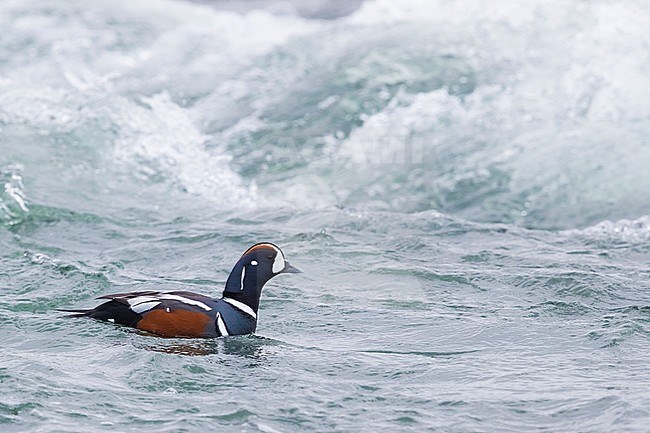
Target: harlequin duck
{"type": "Point", "coordinates": [187, 314]}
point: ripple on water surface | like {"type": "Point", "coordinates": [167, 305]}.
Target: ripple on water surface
{"type": "Point", "coordinates": [465, 188]}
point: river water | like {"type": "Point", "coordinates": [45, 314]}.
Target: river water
{"type": "Point", "coordinates": [464, 183]}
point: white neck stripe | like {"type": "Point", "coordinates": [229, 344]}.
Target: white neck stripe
{"type": "Point", "coordinates": [241, 307]}
{"type": "Point", "coordinates": [243, 274]}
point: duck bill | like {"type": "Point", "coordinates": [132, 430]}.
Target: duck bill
{"type": "Point", "coordinates": [288, 269]}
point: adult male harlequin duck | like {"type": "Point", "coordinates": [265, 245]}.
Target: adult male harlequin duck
{"type": "Point", "coordinates": [187, 314]}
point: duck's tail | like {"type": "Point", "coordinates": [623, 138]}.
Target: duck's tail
{"type": "Point", "coordinates": [76, 313]}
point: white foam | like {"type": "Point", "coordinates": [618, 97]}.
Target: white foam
{"type": "Point", "coordinates": [162, 135]}
{"type": "Point", "coordinates": [12, 192]}
{"type": "Point", "coordinates": [72, 74]}
{"type": "Point", "coordinates": [555, 104]}
{"type": "Point", "coordinates": [633, 231]}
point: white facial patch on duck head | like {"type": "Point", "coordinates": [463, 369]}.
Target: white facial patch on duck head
{"type": "Point", "coordinates": [278, 262]}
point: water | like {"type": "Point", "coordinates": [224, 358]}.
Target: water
{"type": "Point", "coordinates": [464, 183]}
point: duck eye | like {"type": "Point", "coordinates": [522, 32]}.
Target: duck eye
{"type": "Point", "coordinates": [271, 256]}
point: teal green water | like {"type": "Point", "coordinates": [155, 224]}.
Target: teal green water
{"type": "Point", "coordinates": [466, 189]}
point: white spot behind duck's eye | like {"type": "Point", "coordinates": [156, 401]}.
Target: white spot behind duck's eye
{"type": "Point", "coordinates": [254, 263]}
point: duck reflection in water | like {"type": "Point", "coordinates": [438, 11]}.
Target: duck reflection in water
{"type": "Point", "coordinates": [247, 346]}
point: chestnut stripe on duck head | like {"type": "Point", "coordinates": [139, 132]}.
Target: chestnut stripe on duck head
{"type": "Point", "coordinates": [280, 264]}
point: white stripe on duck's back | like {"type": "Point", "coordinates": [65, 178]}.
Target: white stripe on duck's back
{"type": "Point", "coordinates": [140, 304]}
{"type": "Point", "coordinates": [144, 306]}
{"type": "Point", "coordinates": [184, 300]}
{"type": "Point", "coordinates": [140, 299]}
{"type": "Point", "coordinates": [144, 303]}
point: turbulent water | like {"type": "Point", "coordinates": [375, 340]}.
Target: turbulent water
{"type": "Point", "coordinates": [464, 183]}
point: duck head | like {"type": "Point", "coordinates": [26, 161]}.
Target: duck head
{"type": "Point", "coordinates": [256, 267]}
